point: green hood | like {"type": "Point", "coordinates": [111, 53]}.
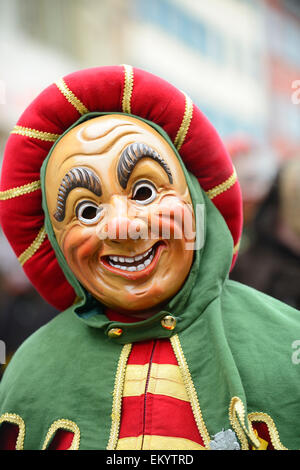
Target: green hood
{"type": "Point", "coordinates": [235, 351]}
{"type": "Point", "coordinates": [194, 293]}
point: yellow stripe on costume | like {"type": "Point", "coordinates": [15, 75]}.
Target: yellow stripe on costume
{"type": "Point", "coordinates": [150, 442]}
{"type": "Point", "coordinates": [185, 124]}
{"type": "Point", "coordinates": [263, 443]}
{"type": "Point", "coordinates": [165, 379]}
{"type": "Point", "coordinates": [20, 190]}
{"type": "Point", "coordinates": [128, 87]}
{"type": "Point", "coordinates": [69, 95]}
{"type": "Point", "coordinates": [221, 188]}
{"type": "Point", "coordinates": [35, 134]}
{"type": "Point", "coordinates": [35, 245]}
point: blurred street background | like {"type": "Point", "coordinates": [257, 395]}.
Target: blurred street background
{"type": "Point", "coordinates": [239, 61]}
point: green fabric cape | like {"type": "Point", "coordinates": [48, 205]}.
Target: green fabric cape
{"type": "Point", "coordinates": [237, 342]}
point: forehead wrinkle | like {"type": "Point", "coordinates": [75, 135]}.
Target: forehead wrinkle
{"type": "Point", "coordinates": [106, 142]}
{"type": "Point", "coordinates": [87, 132]}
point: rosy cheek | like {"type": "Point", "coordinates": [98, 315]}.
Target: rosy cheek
{"type": "Point", "coordinates": [80, 243]}
{"type": "Point", "coordinates": [172, 216]}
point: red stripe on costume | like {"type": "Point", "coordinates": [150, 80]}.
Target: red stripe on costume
{"type": "Point", "coordinates": [165, 416]}
{"type": "Point", "coordinates": [163, 352]}
{"type": "Point", "coordinates": [263, 433]}
{"type": "Point", "coordinates": [156, 414]}
{"type": "Point", "coordinates": [8, 436]}
{"type": "Point", "coordinates": [62, 440]}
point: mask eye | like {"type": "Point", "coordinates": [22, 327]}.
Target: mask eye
{"type": "Point", "coordinates": [144, 192]}
{"type": "Point", "coordinates": [88, 212]}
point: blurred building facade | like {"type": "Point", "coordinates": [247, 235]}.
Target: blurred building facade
{"type": "Point", "coordinates": [282, 23]}
{"type": "Point", "coordinates": [212, 50]}
{"type": "Point", "coordinates": [237, 59]}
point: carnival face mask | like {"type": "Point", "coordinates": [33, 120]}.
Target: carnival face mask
{"type": "Point", "coordinates": [121, 212]}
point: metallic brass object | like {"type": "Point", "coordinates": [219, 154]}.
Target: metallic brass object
{"type": "Point", "coordinates": [115, 332]}
{"type": "Point", "coordinates": [168, 322]}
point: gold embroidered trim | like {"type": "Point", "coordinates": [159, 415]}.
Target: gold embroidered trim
{"type": "Point", "coordinates": [20, 190]}
{"type": "Point", "coordinates": [237, 421]}
{"type": "Point", "coordinates": [35, 134]}
{"type": "Point", "coordinates": [192, 394]}
{"type": "Point", "coordinates": [117, 397]}
{"type": "Point", "coordinates": [128, 87]}
{"type": "Point", "coordinates": [35, 245]}
{"type": "Point", "coordinates": [236, 247]}
{"type": "Point", "coordinates": [67, 425]}
{"type": "Point", "coordinates": [185, 124]}
{"type": "Point", "coordinates": [15, 419]}
{"type": "Point", "coordinates": [274, 435]}
{"type": "Point", "coordinates": [154, 442]}
{"type": "Point", "coordinates": [69, 95]}
{"type": "Point", "coordinates": [221, 188]}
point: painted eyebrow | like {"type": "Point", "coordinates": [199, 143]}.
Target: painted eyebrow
{"type": "Point", "coordinates": [132, 154]}
{"type": "Point", "coordinates": [75, 178]}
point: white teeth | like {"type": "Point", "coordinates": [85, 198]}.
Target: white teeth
{"type": "Point", "coordinates": [131, 268]}
{"type": "Point", "coordinates": [149, 254]}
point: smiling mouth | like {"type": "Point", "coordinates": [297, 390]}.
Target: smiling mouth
{"type": "Point", "coordinates": [127, 265]}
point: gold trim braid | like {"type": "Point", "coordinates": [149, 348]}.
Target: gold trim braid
{"type": "Point", "coordinates": [236, 247]}
{"type": "Point", "coordinates": [67, 425]}
{"type": "Point", "coordinates": [15, 419]}
{"type": "Point", "coordinates": [20, 190]}
{"type": "Point", "coordinates": [69, 95]}
{"type": "Point", "coordinates": [128, 87]}
{"type": "Point", "coordinates": [35, 134]}
{"type": "Point", "coordinates": [185, 124]}
{"type": "Point", "coordinates": [237, 421]}
{"type": "Point", "coordinates": [35, 245]}
{"type": "Point", "coordinates": [221, 188]}
{"type": "Point", "coordinates": [274, 435]}
{"type": "Point", "coordinates": [117, 397]}
{"type": "Point", "coordinates": [192, 394]}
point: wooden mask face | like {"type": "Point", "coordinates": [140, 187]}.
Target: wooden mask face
{"type": "Point", "coordinates": [121, 212]}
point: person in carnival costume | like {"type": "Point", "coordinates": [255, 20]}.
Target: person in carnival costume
{"type": "Point", "coordinates": [156, 348]}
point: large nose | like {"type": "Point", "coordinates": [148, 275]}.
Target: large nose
{"type": "Point", "coordinates": [118, 221]}
{"type": "Point", "coordinates": [122, 222]}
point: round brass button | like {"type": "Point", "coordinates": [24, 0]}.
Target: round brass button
{"type": "Point", "coordinates": [168, 322]}
{"type": "Point", "coordinates": [115, 332]}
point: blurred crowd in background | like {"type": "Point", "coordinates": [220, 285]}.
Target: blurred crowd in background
{"type": "Point", "coordinates": [239, 61]}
